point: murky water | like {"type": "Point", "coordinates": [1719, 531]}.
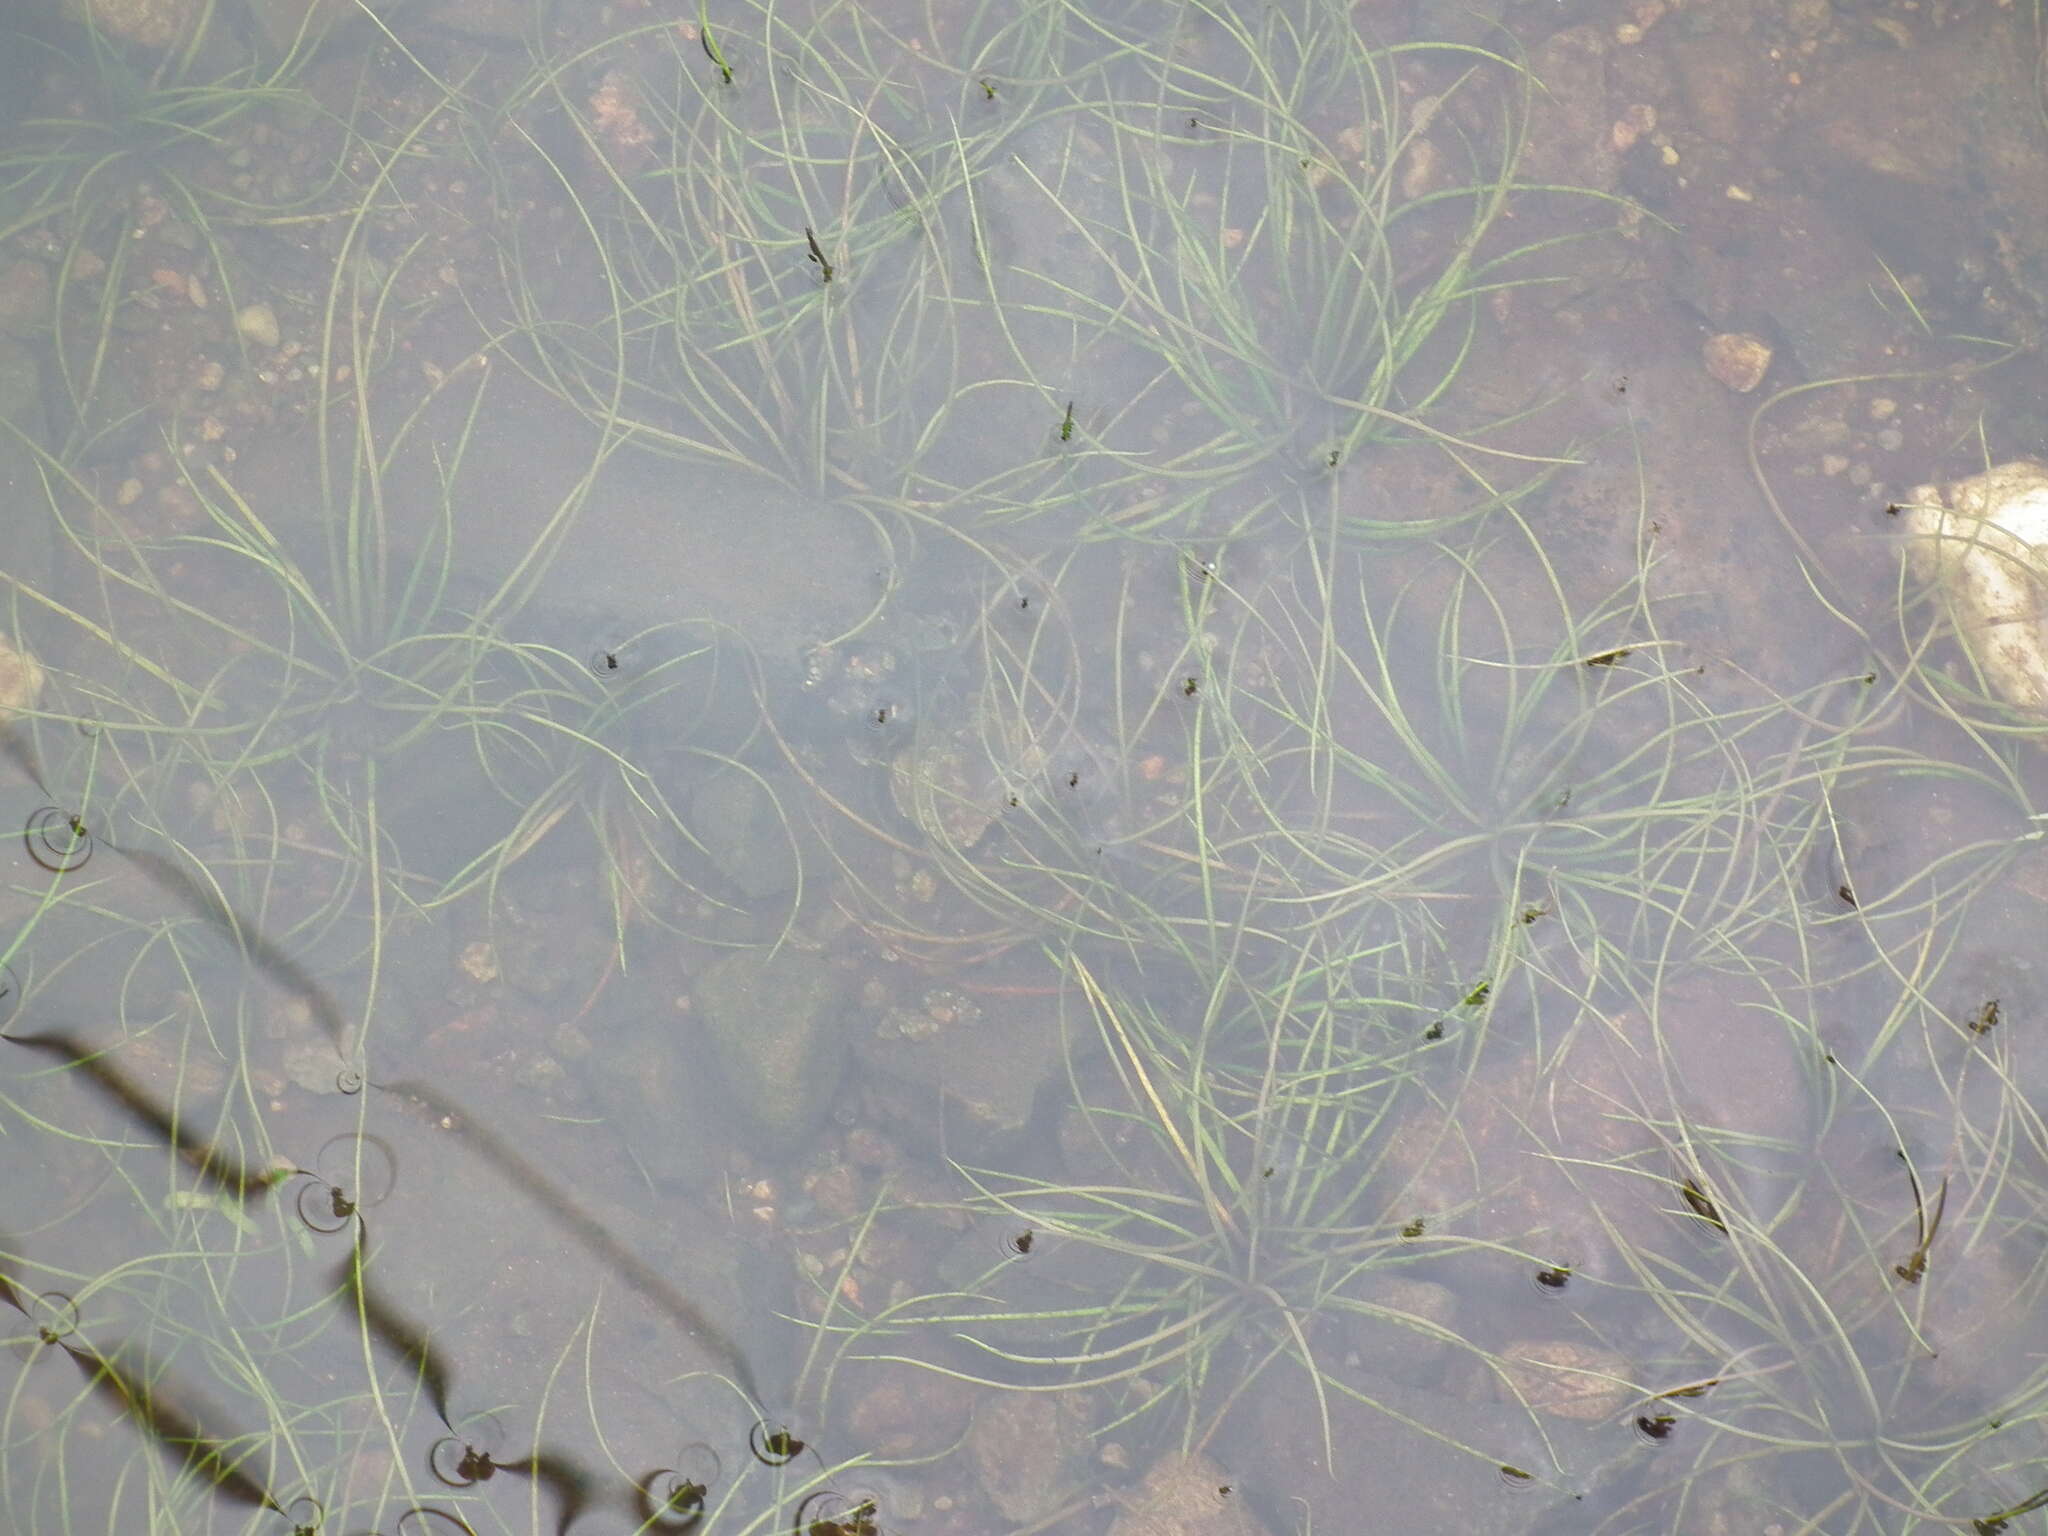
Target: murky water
{"type": "Point", "coordinates": [1132, 768]}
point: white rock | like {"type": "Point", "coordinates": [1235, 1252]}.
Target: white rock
{"type": "Point", "coordinates": [1983, 543]}
{"type": "Point", "coordinates": [258, 325]}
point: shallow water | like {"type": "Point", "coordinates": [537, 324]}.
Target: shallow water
{"type": "Point", "coordinates": [1349, 860]}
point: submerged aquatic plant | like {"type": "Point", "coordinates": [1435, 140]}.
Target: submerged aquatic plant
{"type": "Point", "coordinates": [1325, 818]}
{"type": "Point", "coordinates": [1226, 1217]}
{"type": "Point", "coordinates": [1129, 271]}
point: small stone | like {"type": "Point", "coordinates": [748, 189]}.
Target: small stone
{"type": "Point", "coordinates": [1737, 360]}
{"type": "Point", "coordinates": [1628, 34]}
{"type": "Point", "coordinates": [1832, 464]}
{"type": "Point", "coordinates": [1639, 119]}
{"type": "Point", "coordinates": [1883, 408]}
{"type": "Point", "coordinates": [195, 292]}
{"type": "Point", "coordinates": [479, 961]}
{"type": "Point", "coordinates": [209, 375]}
{"type": "Point", "coordinates": [258, 325]}
{"type": "Point", "coordinates": [129, 493]}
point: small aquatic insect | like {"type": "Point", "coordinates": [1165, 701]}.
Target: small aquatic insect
{"type": "Point", "coordinates": [459, 1464]}
{"type": "Point", "coordinates": [1608, 658]}
{"type": "Point", "coordinates": [1655, 1426]}
{"type": "Point", "coordinates": [1074, 779]}
{"type": "Point", "coordinates": [1478, 994]}
{"type": "Point", "coordinates": [988, 88]}
{"type": "Point", "coordinates": [1021, 1243]}
{"type": "Point", "coordinates": [1984, 1020]}
{"type": "Point", "coordinates": [57, 841]}
{"type": "Point", "coordinates": [773, 1445]}
{"type": "Point", "coordinates": [713, 52]}
{"type": "Point", "coordinates": [1435, 1031]}
{"type": "Point", "coordinates": [857, 1521]}
{"type": "Point", "coordinates": [1067, 424]}
{"type": "Point", "coordinates": [685, 1500]}
{"type": "Point", "coordinates": [1189, 686]}
{"type": "Point", "coordinates": [1693, 1389]}
{"type": "Point", "coordinates": [1415, 1228]}
{"type": "Point", "coordinates": [1988, 1525]}
{"type": "Point", "coordinates": [1916, 1262]}
{"type": "Point", "coordinates": [1848, 896]}
{"type": "Point", "coordinates": [1702, 1207]}
{"type": "Point", "coordinates": [818, 254]}
{"type": "Point", "coordinates": [1555, 1278]}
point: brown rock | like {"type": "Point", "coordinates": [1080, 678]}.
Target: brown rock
{"type": "Point", "coordinates": [1187, 1496]}
{"type": "Point", "coordinates": [902, 1410]}
{"type": "Point", "coordinates": [1567, 1380]}
{"type": "Point", "coordinates": [1030, 1450]}
{"type": "Point", "coordinates": [1737, 359]}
